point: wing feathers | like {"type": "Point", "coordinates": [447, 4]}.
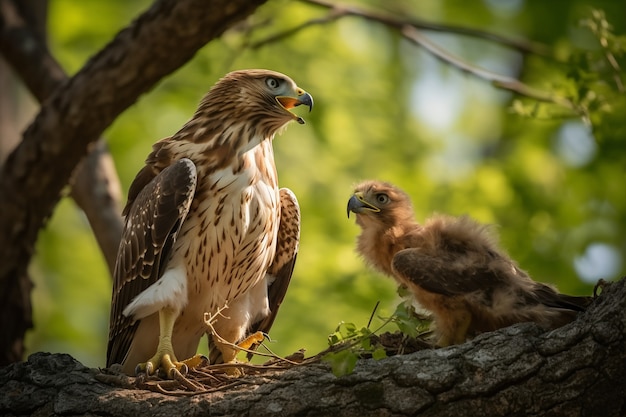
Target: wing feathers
{"type": "Point", "coordinates": [287, 244]}
{"type": "Point", "coordinates": [454, 256]}
{"type": "Point", "coordinates": [280, 271]}
{"type": "Point", "coordinates": [155, 216]}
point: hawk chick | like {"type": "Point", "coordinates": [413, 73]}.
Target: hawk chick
{"type": "Point", "coordinates": [453, 267]}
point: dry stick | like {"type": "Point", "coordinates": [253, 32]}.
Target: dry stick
{"type": "Point", "coordinates": [209, 319]}
{"type": "Point", "coordinates": [369, 322]}
{"type": "Point", "coordinates": [172, 387]}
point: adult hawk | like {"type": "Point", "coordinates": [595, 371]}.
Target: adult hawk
{"type": "Point", "coordinates": [207, 229]}
{"type": "Point", "coordinates": [453, 267]}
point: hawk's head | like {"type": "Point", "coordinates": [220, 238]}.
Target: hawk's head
{"type": "Point", "coordinates": [380, 204]}
{"type": "Point", "coordinates": [257, 99]}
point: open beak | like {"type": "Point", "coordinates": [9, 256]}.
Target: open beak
{"type": "Point", "coordinates": [302, 98]}
{"type": "Point", "coordinates": [357, 204]}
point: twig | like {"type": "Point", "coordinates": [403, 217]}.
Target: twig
{"type": "Point", "coordinates": [209, 319]}
{"type": "Point", "coordinates": [369, 322]}
{"type": "Point", "coordinates": [332, 15]}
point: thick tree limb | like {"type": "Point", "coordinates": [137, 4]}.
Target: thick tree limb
{"type": "Point", "coordinates": [575, 370]}
{"type": "Point", "coordinates": [157, 43]}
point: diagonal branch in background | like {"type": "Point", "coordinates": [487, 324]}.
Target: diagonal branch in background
{"type": "Point", "coordinates": [411, 29]}
{"type": "Point", "coordinates": [95, 186]}
{"type": "Point", "coordinates": [154, 45]}
{"type": "Point", "coordinates": [336, 11]}
{"type": "Point", "coordinates": [498, 80]}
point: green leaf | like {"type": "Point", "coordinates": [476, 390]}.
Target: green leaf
{"type": "Point", "coordinates": [408, 321]}
{"type": "Point", "coordinates": [334, 338]}
{"type": "Point", "coordinates": [348, 329]}
{"type": "Point", "coordinates": [379, 354]}
{"type": "Point", "coordinates": [342, 362]}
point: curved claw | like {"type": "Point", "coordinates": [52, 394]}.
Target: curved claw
{"type": "Point", "coordinates": [166, 366]}
{"type": "Point", "coordinates": [204, 361]}
{"type": "Point", "coordinates": [184, 369]}
{"type": "Point", "coordinates": [146, 368]}
{"type": "Point", "coordinates": [174, 373]}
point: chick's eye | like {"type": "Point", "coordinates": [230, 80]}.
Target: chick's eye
{"type": "Point", "coordinates": [382, 198]}
{"type": "Point", "coordinates": [272, 83]}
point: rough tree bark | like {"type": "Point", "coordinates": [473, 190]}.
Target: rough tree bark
{"type": "Point", "coordinates": [154, 45]}
{"type": "Point", "coordinates": [576, 370]}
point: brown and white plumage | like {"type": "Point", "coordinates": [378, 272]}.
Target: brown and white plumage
{"type": "Point", "coordinates": [207, 228]}
{"type": "Point", "coordinates": [453, 267]}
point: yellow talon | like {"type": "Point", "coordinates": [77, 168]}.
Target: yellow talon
{"type": "Point", "coordinates": [196, 361]}
{"type": "Point", "coordinates": [164, 361]}
{"type": "Point", "coordinates": [254, 338]}
{"type": "Point", "coordinates": [166, 365]}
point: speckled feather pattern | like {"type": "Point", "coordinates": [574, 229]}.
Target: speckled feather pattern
{"type": "Point", "coordinates": [209, 226]}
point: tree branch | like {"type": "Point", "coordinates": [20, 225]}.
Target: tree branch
{"type": "Point", "coordinates": [336, 11]}
{"type": "Point", "coordinates": [155, 44]}
{"type": "Point", "coordinates": [24, 47]}
{"type": "Point", "coordinates": [96, 189]}
{"type": "Point", "coordinates": [500, 81]}
{"type": "Point", "coordinates": [577, 369]}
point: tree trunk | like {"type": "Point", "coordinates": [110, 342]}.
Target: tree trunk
{"type": "Point", "coordinates": [576, 370]}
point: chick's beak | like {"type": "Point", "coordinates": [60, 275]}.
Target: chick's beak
{"type": "Point", "coordinates": [357, 204]}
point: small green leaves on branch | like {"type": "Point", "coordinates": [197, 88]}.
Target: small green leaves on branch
{"type": "Point", "coordinates": [348, 342]}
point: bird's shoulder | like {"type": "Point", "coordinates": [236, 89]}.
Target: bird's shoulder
{"type": "Point", "coordinates": [159, 158]}
{"type": "Point", "coordinates": [460, 234]}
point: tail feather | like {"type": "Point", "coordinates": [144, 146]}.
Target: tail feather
{"type": "Point", "coordinates": [548, 296]}
{"type": "Point", "coordinates": [572, 302]}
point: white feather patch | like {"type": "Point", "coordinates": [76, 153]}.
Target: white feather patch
{"type": "Point", "coordinates": [169, 291]}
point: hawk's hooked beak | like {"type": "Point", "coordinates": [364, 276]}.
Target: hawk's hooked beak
{"type": "Point", "coordinates": [302, 97]}
{"type": "Point", "coordinates": [357, 204]}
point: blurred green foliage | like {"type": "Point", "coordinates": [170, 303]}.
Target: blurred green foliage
{"type": "Point", "coordinates": [384, 109]}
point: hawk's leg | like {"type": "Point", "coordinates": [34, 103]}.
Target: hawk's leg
{"type": "Point", "coordinates": [164, 359]}
{"type": "Point", "coordinates": [452, 323]}
{"type": "Point", "coordinates": [253, 339]}
{"type": "Point", "coordinates": [451, 314]}
{"type": "Point", "coordinates": [229, 352]}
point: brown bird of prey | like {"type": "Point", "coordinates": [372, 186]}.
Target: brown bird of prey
{"type": "Point", "coordinates": [207, 230]}
{"type": "Point", "coordinates": [453, 267]}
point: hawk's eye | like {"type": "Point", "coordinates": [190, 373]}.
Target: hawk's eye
{"type": "Point", "coordinates": [382, 198]}
{"type": "Point", "coordinates": [272, 83]}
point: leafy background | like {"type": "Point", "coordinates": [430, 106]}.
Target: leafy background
{"type": "Point", "coordinates": [384, 109]}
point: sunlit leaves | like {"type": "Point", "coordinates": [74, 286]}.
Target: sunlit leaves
{"type": "Point", "coordinates": [408, 321]}
{"type": "Point", "coordinates": [351, 343]}
{"type": "Point", "coordinates": [341, 362]}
